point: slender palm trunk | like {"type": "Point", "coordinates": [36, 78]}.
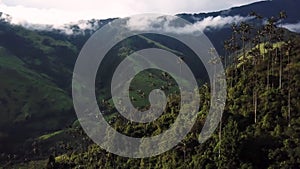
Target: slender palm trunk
{"type": "Point", "coordinates": [289, 92]}
{"type": "Point", "coordinates": [289, 108]}
{"type": "Point", "coordinates": [280, 70]}
{"type": "Point", "coordinates": [268, 74]}
{"type": "Point", "coordinates": [220, 137]}
{"type": "Point", "coordinates": [244, 54]}
{"type": "Point", "coordinates": [254, 89]}
{"type": "Point", "coordinates": [255, 105]}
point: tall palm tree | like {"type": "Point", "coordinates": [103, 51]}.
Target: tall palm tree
{"type": "Point", "coordinates": [255, 53]}
{"type": "Point", "coordinates": [282, 16]}
{"type": "Point", "coordinates": [268, 46]}
{"type": "Point", "coordinates": [245, 32]}
{"type": "Point", "coordinates": [290, 46]}
{"type": "Point", "coordinates": [235, 47]}
{"type": "Point", "coordinates": [227, 49]}
{"type": "Point", "coordinates": [271, 30]}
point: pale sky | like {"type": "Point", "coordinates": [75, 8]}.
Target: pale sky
{"type": "Point", "coordinates": [59, 12]}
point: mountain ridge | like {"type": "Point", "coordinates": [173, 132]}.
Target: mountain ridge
{"type": "Point", "coordinates": [265, 8]}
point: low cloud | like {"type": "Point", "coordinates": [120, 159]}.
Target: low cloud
{"type": "Point", "coordinates": [166, 24]}
{"type": "Point", "coordinates": [141, 23]}
{"type": "Point", "coordinates": [293, 27]}
{"type": "Point", "coordinates": [69, 28]}
{"type": "Point", "coordinates": [219, 21]}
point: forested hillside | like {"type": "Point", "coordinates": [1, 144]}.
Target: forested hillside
{"type": "Point", "coordinates": [260, 126]}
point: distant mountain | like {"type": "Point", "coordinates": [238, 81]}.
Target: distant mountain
{"type": "Point", "coordinates": [264, 8]}
{"type": "Point", "coordinates": [79, 32]}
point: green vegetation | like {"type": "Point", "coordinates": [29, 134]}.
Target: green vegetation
{"type": "Point", "coordinates": [260, 127]}
{"type": "Point", "coordinates": [31, 101]}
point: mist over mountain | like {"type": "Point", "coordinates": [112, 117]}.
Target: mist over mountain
{"type": "Point", "coordinates": [215, 24]}
{"type": "Point", "coordinates": [216, 19]}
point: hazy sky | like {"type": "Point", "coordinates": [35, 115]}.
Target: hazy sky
{"type": "Point", "coordinates": [63, 11]}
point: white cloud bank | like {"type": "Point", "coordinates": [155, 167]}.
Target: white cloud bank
{"type": "Point", "coordinates": [65, 28]}
{"type": "Point", "coordinates": [166, 24]}
{"type": "Point", "coordinates": [58, 12]}
{"type": "Point", "coordinates": [293, 27]}
{"type": "Point", "coordinates": [145, 23]}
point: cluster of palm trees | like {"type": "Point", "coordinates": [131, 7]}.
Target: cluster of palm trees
{"type": "Point", "coordinates": [262, 40]}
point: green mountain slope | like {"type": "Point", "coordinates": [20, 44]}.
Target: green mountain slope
{"type": "Point", "coordinates": [260, 126]}
{"type": "Point", "coordinates": [35, 73]}
{"type": "Point", "coordinates": [268, 140]}
{"type": "Point", "coordinates": [30, 103]}
{"type": "Point", "coordinates": [35, 90]}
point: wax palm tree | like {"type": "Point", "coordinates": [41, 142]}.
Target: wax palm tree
{"type": "Point", "coordinates": [282, 16]}
{"type": "Point", "coordinates": [245, 32]}
{"type": "Point", "coordinates": [289, 47]}
{"type": "Point", "coordinates": [227, 49]}
{"type": "Point", "coordinates": [235, 43]}
{"type": "Point", "coordinates": [255, 53]}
